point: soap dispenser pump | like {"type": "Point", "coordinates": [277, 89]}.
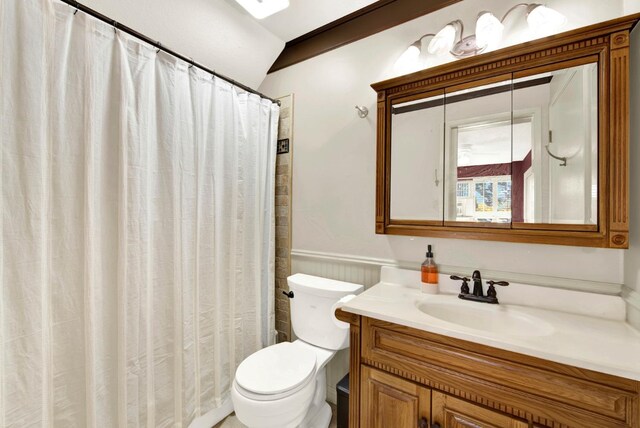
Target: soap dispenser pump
{"type": "Point", "coordinates": [429, 274]}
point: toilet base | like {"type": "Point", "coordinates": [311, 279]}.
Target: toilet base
{"type": "Point", "coordinates": [319, 414]}
{"type": "Point", "coordinates": [321, 419]}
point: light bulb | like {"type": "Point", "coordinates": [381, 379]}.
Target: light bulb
{"type": "Point", "coordinates": [409, 58]}
{"type": "Point", "coordinates": [544, 21]}
{"type": "Point", "coordinates": [412, 52]}
{"type": "Point", "coordinates": [443, 41]}
{"type": "Point", "coordinates": [488, 30]}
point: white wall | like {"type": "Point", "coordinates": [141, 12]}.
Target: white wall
{"type": "Point", "coordinates": [212, 32]}
{"type": "Point", "coordinates": [334, 165]}
{"type": "Point", "coordinates": [631, 6]}
{"type": "Point", "coordinates": [632, 256]}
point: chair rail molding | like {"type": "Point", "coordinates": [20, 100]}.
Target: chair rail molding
{"type": "Point", "coordinates": [632, 297]}
{"type": "Point", "coordinates": [366, 270]}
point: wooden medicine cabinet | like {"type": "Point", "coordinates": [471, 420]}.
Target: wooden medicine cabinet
{"type": "Point", "coordinates": [529, 143]}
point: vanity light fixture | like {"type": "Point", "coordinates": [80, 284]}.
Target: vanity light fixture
{"type": "Point", "coordinates": [444, 39]}
{"type": "Point", "coordinates": [489, 29]}
{"type": "Point", "coordinates": [541, 19]}
{"type": "Point", "coordinates": [410, 56]}
{"type": "Point", "coordinates": [262, 8]}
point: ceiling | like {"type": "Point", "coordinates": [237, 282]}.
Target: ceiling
{"type": "Point", "coordinates": [303, 16]}
{"type": "Point", "coordinates": [222, 35]}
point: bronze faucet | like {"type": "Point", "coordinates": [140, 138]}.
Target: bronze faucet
{"type": "Point", "coordinates": [478, 293]}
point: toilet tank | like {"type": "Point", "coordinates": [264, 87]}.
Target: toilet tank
{"type": "Point", "coordinates": [312, 317]}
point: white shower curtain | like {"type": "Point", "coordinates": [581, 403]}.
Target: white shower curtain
{"type": "Point", "coordinates": [137, 226]}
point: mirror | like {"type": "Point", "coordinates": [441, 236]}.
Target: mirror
{"type": "Point", "coordinates": [526, 144]}
{"type": "Point", "coordinates": [478, 154]}
{"type": "Point", "coordinates": [416, 159]}
{"type": "Point", "coordinates": [558, 176]}
{"type": "Point", "coordinates": [520, 151]}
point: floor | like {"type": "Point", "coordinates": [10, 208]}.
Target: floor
{"type": "Point", "coordinates": [232, 422]}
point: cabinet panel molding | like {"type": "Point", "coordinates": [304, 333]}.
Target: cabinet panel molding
{"type": "Point", "coordinates": [389, 401]}
{"type": "Point", "coordinates": [451, 412]}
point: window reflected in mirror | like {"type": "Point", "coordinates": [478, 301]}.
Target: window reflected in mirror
{"type": "Point", "coordinates": [478, 154]}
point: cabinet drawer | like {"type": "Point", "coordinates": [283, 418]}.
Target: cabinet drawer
{"type": "Point", "coordinates": [547, 393]}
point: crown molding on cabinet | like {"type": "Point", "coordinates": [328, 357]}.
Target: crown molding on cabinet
{"type": "Point", "coordinates": [362, 23]}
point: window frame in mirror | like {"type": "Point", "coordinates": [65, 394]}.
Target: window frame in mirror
{"type": "Point", "coordinates": [505, 79]}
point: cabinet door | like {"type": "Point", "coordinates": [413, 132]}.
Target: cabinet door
{"type": "Point", "coordinates": [389, 401]}
{"type": "Point", "coordinates": [450, 412]}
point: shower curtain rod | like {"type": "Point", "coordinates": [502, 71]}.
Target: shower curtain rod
{"type": "Point", "coordinates": [118, 26]}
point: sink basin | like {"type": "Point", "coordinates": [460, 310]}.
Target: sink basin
{"type": "Point", "coordinates": [496, 319]}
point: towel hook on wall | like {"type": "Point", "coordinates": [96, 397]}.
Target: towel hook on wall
{"type": "Point", "coordinates": [362, 111]}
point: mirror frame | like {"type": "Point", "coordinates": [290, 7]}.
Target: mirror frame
{"type": "Point", "coordinates": [607, 44]}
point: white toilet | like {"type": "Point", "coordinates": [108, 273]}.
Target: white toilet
{"type": "Point", "coordinates": [284, 385]}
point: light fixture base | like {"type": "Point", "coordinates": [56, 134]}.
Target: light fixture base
{"type": "Point", "coordinates": [467, 47]}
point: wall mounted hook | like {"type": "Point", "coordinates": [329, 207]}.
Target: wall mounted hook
{"type": "Point", "coordinates": [362, 111]}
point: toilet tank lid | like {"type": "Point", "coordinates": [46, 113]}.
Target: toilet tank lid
{"type": "Point", "coordinates": [324, 287]}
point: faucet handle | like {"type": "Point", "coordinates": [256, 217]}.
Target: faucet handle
{"type": "Point", "coordinates": [491, 292]}
{"type": "Point", "coordinates": [464, 289]}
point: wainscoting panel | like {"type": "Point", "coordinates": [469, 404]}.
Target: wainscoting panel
{"type": "Point", "coordinates": [342, 269]}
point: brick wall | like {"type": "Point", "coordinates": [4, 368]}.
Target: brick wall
{"type": "Point", "coordinates": [283, 221]}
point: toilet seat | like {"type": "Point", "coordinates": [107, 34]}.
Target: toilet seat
{"type": "Point", "coordinates": [276, 371]}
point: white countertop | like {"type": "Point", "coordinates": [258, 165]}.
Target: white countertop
{"type": "Point", "coordinates": [579, 329]}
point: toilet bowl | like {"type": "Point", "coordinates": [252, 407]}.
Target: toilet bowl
{"type": "Point", "coordinates": [284, 385]}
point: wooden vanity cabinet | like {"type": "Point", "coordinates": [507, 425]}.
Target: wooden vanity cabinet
{"type": "Point", "coordinates": [391, 401]}
{"type": "Point", "coordinates": [394, 402]}
{"type": "Point", "coordinates": [404, 377]}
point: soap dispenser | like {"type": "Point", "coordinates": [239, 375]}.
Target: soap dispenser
{"type": "Point", "coordinates": [429, 274]}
